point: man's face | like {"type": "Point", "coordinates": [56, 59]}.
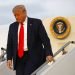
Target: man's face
{"type": "Point", "coordinates": [20, 15]}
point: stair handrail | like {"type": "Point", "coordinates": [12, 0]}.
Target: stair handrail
{"type": "Point", "coordinates": [61, 49]}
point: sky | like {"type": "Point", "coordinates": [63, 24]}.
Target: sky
{"type": "Point", "coordinates": [37, 9]}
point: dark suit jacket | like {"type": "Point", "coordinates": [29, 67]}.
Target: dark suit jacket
{"type": "Point", "coordinates": [37, 40]}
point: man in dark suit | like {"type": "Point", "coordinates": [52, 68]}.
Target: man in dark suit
{"type": "Point", "coordinates": [28, 44]}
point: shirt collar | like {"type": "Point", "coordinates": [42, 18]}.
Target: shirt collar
{"type": "Point", "coordinates": [25, 22]}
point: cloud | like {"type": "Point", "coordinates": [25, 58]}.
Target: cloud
{"type": "Point", "coordinates": [37, 9]}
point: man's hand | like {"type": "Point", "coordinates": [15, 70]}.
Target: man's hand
{"type": "Point", "coordinates": [9, 64]}
{"type": "Point", "coordinates": [50, 58]}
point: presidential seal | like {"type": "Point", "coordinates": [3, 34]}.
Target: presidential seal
{"type": "Point", "coordinates": [60, 27]}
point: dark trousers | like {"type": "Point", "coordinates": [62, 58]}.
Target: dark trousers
{"type": "Point", "coordinates": [24, 66]}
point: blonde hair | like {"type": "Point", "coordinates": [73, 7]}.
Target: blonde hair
{"type": "Point", "coordinates": [18, 7]}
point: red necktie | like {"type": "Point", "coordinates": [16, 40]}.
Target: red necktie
{"type": "Point", "coordinates": [21, 42]}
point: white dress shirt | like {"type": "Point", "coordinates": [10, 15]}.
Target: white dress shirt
{"type": "Point", "coordinates": [25, 34]}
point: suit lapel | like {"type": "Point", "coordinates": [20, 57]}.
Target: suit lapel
{"type": "Point", "coordinates": [29, 23]}
{"type": "Point", "coordinates": [16, 33]}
